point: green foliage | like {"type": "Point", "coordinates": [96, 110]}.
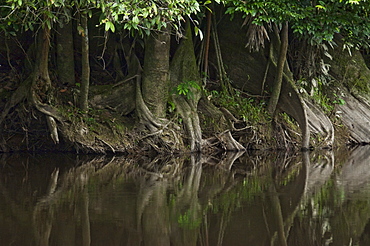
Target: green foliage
{"type": "Point", "coordinates": [319, 96]}
{"type": "Point", "coordinates": [189, 219]}
{"type": "Point", "coordinates": [145, 16]}
{"type": "Point", "coordinates": [247, 108]}
{"type": "Point", "coordinates": [267, 11]}
{"type": "Point", "coordinates": [320, 93]}
{"type": "Point", "coordinates": [327, 196]}
{"type": "Point", "coordinates": [24, 15]}
{"type": "Point", "coordinates": [338, 100]}
{"type": "Point", "coordinates": [187, 88]}
{"type": "Point", "coordinates": [290, 175]}
{"type": "Point", "coordinates": [317, 21]}
{"type": "Point", "coordinates": [252, 187]}
{"type": "Point", "coordinates": [142, 16]}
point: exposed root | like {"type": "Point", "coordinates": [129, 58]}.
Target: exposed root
{"type": "Point", "coordinates": [229, 143]}
{"type": "Point", "coordinates": [232, 121]}
{"type": "Point", "coordinates": [53, 129]}
{"type": "Point", "coordinates": [104, 142]}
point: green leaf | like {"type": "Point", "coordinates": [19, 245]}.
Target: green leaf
{"type": "Point", "coordinates": [320, 7]}
{"type": "Point", "coordinates": [154, 6]}
{"type": "Point", "coordinates": [109, 26]}
{"type": "Point", "coordinates": [198, 32]}
{"type": "Point", "coordinates": [135, 19]}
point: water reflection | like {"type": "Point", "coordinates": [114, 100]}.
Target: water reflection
{"type": "Point", "coordinates": [234, 199]}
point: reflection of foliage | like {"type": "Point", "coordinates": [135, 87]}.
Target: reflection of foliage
{"type": "Point", "coordinates": [233, 199]}
{"type": "Point", "coordinates": [327, 197]}
{"type": "Point", "coordinates": [320, 208]}
{"type": "Point", "coordinates": [291, 175]}
{"type": "Point", "coordinates": [254, 186]}
{"type": "Point", "coordinates": [189, 220]}
{"type": "Point", "coordinates": [334, 217]}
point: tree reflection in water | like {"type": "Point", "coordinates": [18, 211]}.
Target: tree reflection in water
{"type": "Point", "coordinates": [269, 198]}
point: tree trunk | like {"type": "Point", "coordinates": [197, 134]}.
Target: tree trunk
{"type": "Point", "coordinates": [280, 70]}
{"type": "Point", "coordinates": [207, 46]}
{"type": "Point", "coordinates": [65, 54]}
{"type": "Point", "coordinates": [85, 78]}
{"type": "Point", "coordinates": [41, 79]}
{"type": "Point", "coordinates": [184, 69]}
{"type": "Point", "coordinates": [41, 84]}
{"type": "Point", "coordinates": [155, 84]}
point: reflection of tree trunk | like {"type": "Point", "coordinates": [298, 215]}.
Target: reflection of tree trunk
{"type": "Point", "coordinates": [276, 209]}
{"type": "Point", "coordinates": [155, 220]}
{"type": "Point", "coordinates": [43, 222]}
{"type": "Point", "coordinates": [225, 218]}
{"type": "Point", "coordinates": [289, 221]}
{"type": "Point", "coordinates": [228, 161]}
{"type": "Point", "coordinates": [191, 187]}
{"type": "Point", "coordinates": [85, 218]}
{"type": "Point", "coordinates": [187, 206]}
{"type": "Point", "coordinates": [43, 214]}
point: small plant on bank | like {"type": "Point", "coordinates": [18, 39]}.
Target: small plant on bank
{"type": "Point", "coordinates": [186, 88]}
{"type": "Point", "coordinates": [318, 93]}
{"type": "Point", "coordinates": [338, 100]}
{"type": "Point", "coordinates": [250, 109]}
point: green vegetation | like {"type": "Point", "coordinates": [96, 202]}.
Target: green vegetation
{"type": "Point", "coordinates": [186, 89]}
{"type": "Point", "coordinates": [189, 220]}
{"type": "Point", "coordinates": [133, 42]}
{"type": "Point", "coordinates": [250, 109]}
{"type": "Point", "coordinates": [317, 21]}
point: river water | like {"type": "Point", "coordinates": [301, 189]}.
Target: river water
{"type": "Point", "coordinates": [311, 198]}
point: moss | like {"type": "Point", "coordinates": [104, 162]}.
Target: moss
{"type": "Point", "coordinates": [100, 89]}
{"type": "Point", "coordinates": [360, 85]}
{"type": "Point", "coordinates": [351, 70]}
{"type": "Point", "coordinates": [249, 109]}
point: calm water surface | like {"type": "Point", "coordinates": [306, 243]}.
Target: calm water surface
{"type": "Point", "coordinates": [317, 198]}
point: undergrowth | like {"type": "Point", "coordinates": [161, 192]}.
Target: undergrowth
{"type": "Point", "coordinates": [252, 110]}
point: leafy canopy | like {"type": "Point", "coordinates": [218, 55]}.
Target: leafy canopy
{"type": "Point", "coordinates": [146, 15]}
{"type": "Point", "coordinates": [139, 15]}
{"type": "Point", "coordinates": [318, 21]}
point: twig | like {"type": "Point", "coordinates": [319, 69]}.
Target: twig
{"type": "Point", "coordinates": [124, 81]}
{"type": "Point", "coordinates": [110, 146]}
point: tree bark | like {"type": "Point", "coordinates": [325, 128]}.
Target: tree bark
{"type": "Point", "coordinates": [85, 78]}
{"type": "Point", "coordinates": [280, 70]}
{"type": "Point", "coordinates": [65, 54]}
{"type": "Point", "coordinates": [207, 44]}
{"type": "Point", "coordinates": [155, 84]}
{"type": "Point", "coordinates": [184, 68]}
{"type": "Point", "coordinates": [41, 80]}
{"type": "Point", "coordinates": [41, 84]}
